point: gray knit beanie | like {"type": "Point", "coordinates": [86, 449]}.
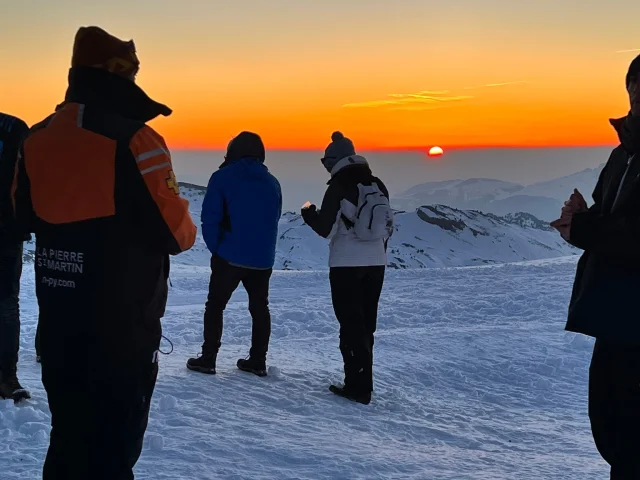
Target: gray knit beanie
{"type": "Point", "coordinates": [340, 147]}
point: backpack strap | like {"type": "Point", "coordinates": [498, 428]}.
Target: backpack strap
{"type": "Point", "coordinates": [347, 223]}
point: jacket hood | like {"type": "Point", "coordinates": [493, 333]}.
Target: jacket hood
{"type": "Point", "coordinates": [346, 162]}
{"type": "Point", "coordinates": [92, 86]}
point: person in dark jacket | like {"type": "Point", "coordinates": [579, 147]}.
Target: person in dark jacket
{"type": "Point", "coordinates": [12, 133]}
{"type": "Point", "coordinates": [605, 290]}
{"type": "Point", "coordinates": [357, 267]}
{"type": "Point", "coordinates": [240, 216]}
{"type": "Point", "coordinates": [96, 186]}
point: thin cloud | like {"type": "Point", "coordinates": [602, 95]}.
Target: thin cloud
{"type": "Point", "coordinates": [420, 94]}
{"type": "Point", "coordinates": [629, 51]}
{"type": "Point", "coordinates": [421, 108]}
{"type": "Point", "coordinates": [493, 85]}
{"type": "Point", "coordinates": [411, 100]}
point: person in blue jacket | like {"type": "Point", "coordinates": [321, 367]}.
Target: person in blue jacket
{"type": "Point", "coordinates": [240, 215]}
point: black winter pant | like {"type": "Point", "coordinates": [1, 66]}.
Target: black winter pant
{"type": "Point", "coordinates": [614, 407]}
{"type": "Point", "coordinates": [99, 415]}
{"type": "Point", "coordinates": [225, 279]}
{"type": "Point", "coordinates": [38, 339]}
{"type": "Point", "coordinates": [355, 292]}
{"type": "Point", "coordinates": [10, 272]}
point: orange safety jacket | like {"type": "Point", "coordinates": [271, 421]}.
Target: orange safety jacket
{"type": "Point", "coordinates": [96, 186]}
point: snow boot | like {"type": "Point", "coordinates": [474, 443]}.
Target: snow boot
{"type": "Point", "coordinates": [10, 387]}
{"type": "Point", "coordinates": [354, 396]}
{"type": "Point", "coordinates": [203, 364]}
{"type": "Point", "coordinates": [253, 365]}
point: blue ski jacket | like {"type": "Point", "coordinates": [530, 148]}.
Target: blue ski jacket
{"type": "Point", "coordinates": [240, 214]}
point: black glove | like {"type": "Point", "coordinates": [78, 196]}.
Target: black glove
{"type": "Point", "coordinates": [306, 212]}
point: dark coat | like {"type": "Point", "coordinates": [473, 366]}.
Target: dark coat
{"type": "Point", "coordinates": [12, 133]}
{"type": "Point", "coordinates": [607, 284]}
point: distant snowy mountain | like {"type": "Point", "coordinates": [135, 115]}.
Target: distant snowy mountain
{"type": "Point", "coordinates": [471, 194]}
{"type": "Point", "coordinates": [544, 208]}
{"type": "Point", "coordinates": [432, 236]}
{"type": "Point", "coordinates": [544, 199]}
{"type": "Point", "coordinates": [560, 188]}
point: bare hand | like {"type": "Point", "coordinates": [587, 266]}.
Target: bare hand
{"type": "Point", "coordinates": [565, 232]}
{"type": "Point", "coordinates": [563, 225]}
{"type": "Point", "coordinates": [561, 222]}
{"type": "Point", "coordinates": [582, 203]}
{"type": "Point", "coordinates": [575, 204]}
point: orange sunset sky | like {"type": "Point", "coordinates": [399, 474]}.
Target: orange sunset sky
{"type": "Point", "coordinates": [390, 74]}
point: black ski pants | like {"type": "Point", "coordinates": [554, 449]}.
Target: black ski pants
{"type": "Point", "coordinates": [10, 272]}
{"type": "Point", "coordinates": [614, 407]}
{"type": "Point", "coordinates": [38, 339]}
{"type": "Point", "coordinates": [99, 415]}
{"type": "Point", "coordinates": [225, 279]}
{"type": "Point", "coordinates": [355, 293]}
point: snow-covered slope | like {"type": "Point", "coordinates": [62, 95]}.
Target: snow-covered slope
{"type": "Point", "coordinates": [475, 379]}
{"type": "Point", "coordinates": [428, 237]}
{"type": "Point", "coordinates": [544, 199]}
{"type": "Point", "coordinates": [436, 236]}
{"type": "Point", "coordinates": [443, 236]}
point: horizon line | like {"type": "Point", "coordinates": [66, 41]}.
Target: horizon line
{"type": "Point", "coordinates": [408, 148]}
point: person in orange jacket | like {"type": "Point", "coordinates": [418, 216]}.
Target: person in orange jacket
{"type": "Point", "coordinates": [96, 186]}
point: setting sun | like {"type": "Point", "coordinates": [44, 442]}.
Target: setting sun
{"type": "Point", "coordinates": [436, 152]}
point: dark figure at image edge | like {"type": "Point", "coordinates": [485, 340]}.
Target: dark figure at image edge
{"type": "Point", "coordinates": [102, 257]}
{"type": "Point", "coordinates": [12, 133]}
{"type": "Point", "coordinates": [357, 265]}
{"type": "Point", "coordinates": [240, 215]}
{"type": "Point", "coordinates": [603, 302]}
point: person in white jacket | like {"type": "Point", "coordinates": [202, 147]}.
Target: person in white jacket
{"type": "Point", "coordinates": [355, 204]}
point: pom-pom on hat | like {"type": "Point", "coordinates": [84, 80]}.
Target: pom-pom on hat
{"type": "Point", "coordinates": [339, 148]}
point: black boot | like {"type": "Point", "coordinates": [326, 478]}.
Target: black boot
{"type": "Point", "coordinates": [358, 374]}
{"type": "Point", "coordinates": [253, 365]}
{"type": "Point", "coordinates": [206, 363]}
{"type": "Point", "coordinates": [10, 387]}
{"type": "Point", "coordinates": [363, 397]}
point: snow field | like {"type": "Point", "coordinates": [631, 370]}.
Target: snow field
{"type": "Point", "coordinates": [474, 379]}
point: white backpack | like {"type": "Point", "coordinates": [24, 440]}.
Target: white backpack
{"type": "Point", "coordinates": [374, 217]}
